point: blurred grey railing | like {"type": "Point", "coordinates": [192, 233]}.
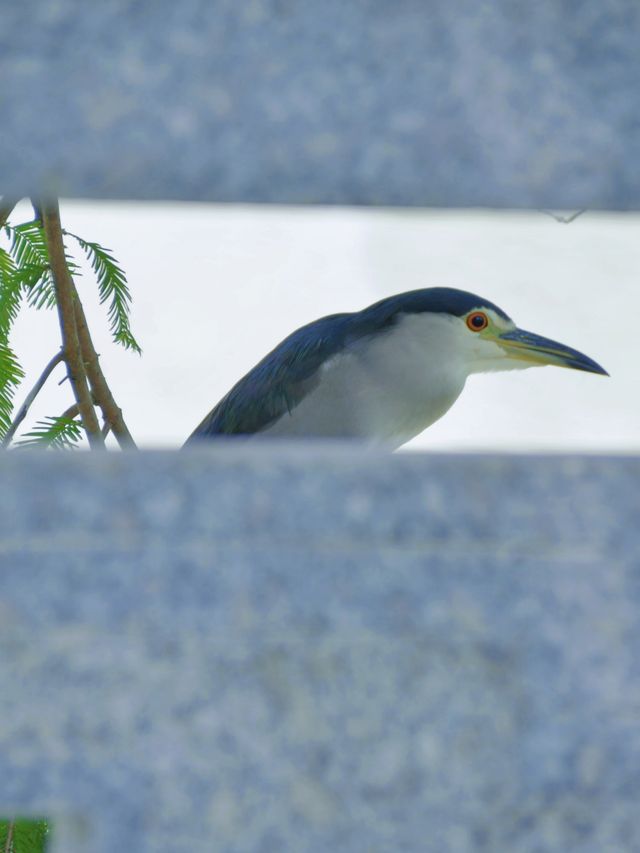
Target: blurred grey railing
{"type": "Point", "coordinates": [308, 649]}
{"type": "Point", "coordinates": [515, 104]}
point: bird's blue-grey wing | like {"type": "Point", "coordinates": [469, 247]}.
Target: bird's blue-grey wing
{"type": "Point", "coordinates": [278, 383]}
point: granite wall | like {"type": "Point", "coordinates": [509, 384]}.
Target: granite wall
{"type": "Point", "coordinates": [516, 104]}
{"type": "Point", "coordinates": [307, 648]}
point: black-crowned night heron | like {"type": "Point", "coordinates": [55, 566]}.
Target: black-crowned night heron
{"type": "Point", "coordinates": [383, 374]}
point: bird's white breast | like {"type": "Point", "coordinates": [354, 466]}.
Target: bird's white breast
{"type": "Point", "coordinates": [386, 388]}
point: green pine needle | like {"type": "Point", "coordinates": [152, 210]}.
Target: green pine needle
{"type": "Point", "coordinates": [113, 288]}
{"type": "Point", "coordinates": [10, 293]}
{"type": "Point", "coordinates": [7, 266]}
{"type": "Point", "coordinates": [11, 375]}
{"type": "Point", "coordinates": [29, 835]}
{"type": "Point", "coordinates": [29, 250]}
{"type": "Point", "coordinates": [60, 432]}
{"type": "Point", "coordinates": [28, 244]}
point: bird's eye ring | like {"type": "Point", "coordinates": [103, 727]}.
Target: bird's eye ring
{"type": "Point", "coordinates": [477, 321]}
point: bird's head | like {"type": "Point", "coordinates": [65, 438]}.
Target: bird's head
{"type": "Point", "coordinates": [492, 341]}
{"type": "Point", "coordinates": [461, 333]}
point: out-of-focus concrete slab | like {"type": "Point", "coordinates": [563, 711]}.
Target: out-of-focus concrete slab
{"type": "Point", "coordinates": [411, 103]}
{"type": "Point", "coordinates": [311, 649]}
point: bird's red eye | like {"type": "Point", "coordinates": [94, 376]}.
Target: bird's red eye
{"type": "Point", "coordinates": [477, 321]}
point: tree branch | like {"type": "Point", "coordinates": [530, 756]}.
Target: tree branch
{"type": "Point", "coordinates": [6, 207]}
{"type": "Point", "coordinates": [9, 842]}
{"type": "Point", "coordinates": [22, 412]}
{"type": "Point", "coordinates": [101, 391]}
{"type": "Point", "coordinates": [66, 297]}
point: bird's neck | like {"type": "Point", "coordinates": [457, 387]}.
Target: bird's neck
{"type": "Point", "coordinates": [412, 375]}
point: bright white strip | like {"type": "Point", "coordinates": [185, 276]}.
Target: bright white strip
{"type": "Point", "coordinates": [216, 287]}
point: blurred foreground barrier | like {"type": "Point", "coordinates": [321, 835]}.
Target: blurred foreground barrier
{"type": "Point", "coordinates": [529, 104]}
{"type": "Point", "coordinates": [311, 649]}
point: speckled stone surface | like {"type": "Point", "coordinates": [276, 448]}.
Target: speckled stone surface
{"type": "Point", "coordinates": [525, 104]}
{"type": "Point", "coordinates": [314, 649]}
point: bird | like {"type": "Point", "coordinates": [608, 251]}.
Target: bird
{"type": "Point", "coordinates": [381, 375]}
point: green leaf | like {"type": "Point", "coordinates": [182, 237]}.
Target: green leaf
{"type": "Point", "coordinates": [10, 293]}
{"type": "Point", "coordinates": [27, 835]}
{"type": "Point", "coordinates": [7, 266]}
{"type": "Point", "coordinates": [28, 244]}
{"type": "Point", "coordinates": [36, 279]}
{"type": "Point", "coordinates": [57, 432]}
{"type": "Point", "coordinates": [11, 375]}
{"type": "Point", "coordinates": [29, 250]}
{"type": "Point", "coordinates": [113, 288]}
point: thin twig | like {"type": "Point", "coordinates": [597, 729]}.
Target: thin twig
{"type": "Point", "coordinates": [6, 207]}
{"type": "Point", "coordinates": [31, 396]}
{"type": "Point", "coordinates": [71, 413]}
{"type": "Point", "coordinates": [66, 298]}
{"type": "Point", "coordinates": [101, 391]}
{"type": "Point", "coordinates": [9, 842]}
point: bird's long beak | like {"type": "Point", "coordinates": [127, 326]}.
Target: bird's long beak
{"type": "Point", "coordinates": [538, 350]}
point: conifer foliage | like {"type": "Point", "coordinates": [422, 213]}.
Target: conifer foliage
{"type": "Point", "coordinates": [38, 271]}
{"type": "Point", "coordinates": [23, 835]}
